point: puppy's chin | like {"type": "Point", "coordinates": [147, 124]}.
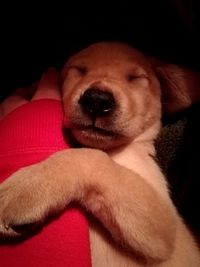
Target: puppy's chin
{"type": "Point", "coordinates": [99, 139]}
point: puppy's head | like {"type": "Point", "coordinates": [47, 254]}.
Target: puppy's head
{"type": "Point", "coordinates": [111, 95]}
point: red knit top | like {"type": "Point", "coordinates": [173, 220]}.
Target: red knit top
{"type": "Point", "coordinates": [28, 135]}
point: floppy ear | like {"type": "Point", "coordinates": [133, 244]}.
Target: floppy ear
{"type": "Point", "coordinates": [180, 86]}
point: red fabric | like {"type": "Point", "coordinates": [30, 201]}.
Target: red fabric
{"type": "Point", "coordinates": [28, 135]}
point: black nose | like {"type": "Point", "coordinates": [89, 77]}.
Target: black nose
{"type": "Point", "coordinates": [97, 102]}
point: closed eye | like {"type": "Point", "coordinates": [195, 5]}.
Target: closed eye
{"type": "Point", "coordinates": [132, 77]}
{"type": "Point", "coordinates": [80, 69]}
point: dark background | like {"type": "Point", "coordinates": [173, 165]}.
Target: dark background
{"type": "Point", "coordinates": [32, 38]}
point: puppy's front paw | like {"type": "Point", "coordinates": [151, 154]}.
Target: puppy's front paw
{"type": "Point", "coordinates": [24, 201]}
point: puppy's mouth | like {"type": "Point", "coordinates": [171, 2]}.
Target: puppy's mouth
{"type": "Point", "coordinates": [93, 130]}
{"type": "Point", "coordinates": [93, 136]}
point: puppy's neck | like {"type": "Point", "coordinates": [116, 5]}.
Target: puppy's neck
{"type": "Point", "coordinates": [141, 147]}
{"type": "Point", "coordinates": [149, 135]}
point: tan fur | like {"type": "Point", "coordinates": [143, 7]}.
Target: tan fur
{"type": "Point", "coordinates": [117, 179]}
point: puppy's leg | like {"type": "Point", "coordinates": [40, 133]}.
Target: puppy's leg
{"type": "Point", "coordinates": [132, 211]}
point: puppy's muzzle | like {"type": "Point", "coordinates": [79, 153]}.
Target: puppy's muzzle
{"type": "Point", "coordinates": [97, 103]}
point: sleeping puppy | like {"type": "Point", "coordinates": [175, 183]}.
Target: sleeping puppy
{"type": "Point", "coordinates": [112, 98]}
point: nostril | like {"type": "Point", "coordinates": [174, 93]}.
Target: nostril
{"type": "Point", "coordinates": [97, 102]}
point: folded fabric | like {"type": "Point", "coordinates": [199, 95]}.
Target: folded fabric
{"type": "Point", "coordinates": [28, 135]}
{"type": "Point", "coordinates": [177, 148]}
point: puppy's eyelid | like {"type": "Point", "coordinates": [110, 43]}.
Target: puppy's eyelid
{"type": "Point", "coordinates": [80, 69]}
{"type": "Point", "coordinates": [132, 77]}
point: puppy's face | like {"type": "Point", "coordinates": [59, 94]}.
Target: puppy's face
{"type": "Point", "coordinates": [110, 95]}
